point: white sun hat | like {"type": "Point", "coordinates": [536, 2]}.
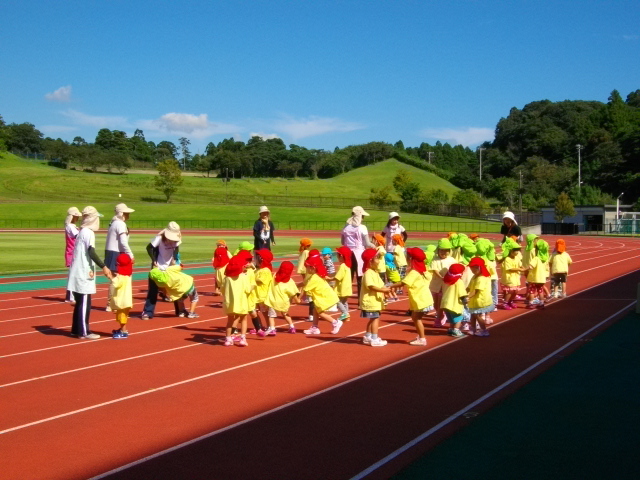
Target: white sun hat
{"type": "Point", "coordinates": [172, 232]}
{"type": "Point", "coordinates": [263, 209]}
{"type": "Point", "coordinates": [393, 215]}
{"type": "Point", "coordinates": [122, 208]}
{"type": "Point", "coordinates": [358, 210]}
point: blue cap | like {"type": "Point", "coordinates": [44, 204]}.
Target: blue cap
{"type": "Point", "coordinates": [326, 251]}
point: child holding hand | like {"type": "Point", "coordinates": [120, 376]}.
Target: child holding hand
{"type": "Point", "coordinates": [221, 257]}
{"type": "Point", "coordinates": [560, 261]}
{"type": "Point", "coordinates": [372, 297]}
{"type": "Point", "coordinates": [343, 283]}
{"type": "Point", "coordinates": [536, 273]}
{"type": "Point", "coordinates": [322, 295]}
{"type": "Point", "coordinates": [439, 268]}
{"type": "Point", "coordinates": [511, 271]}
{"type": "Point", "coordinates": [393, 276]}
{"type": "Point", "coordinates": [282, 292]}
{"type": "Point", "coordinates": [480, 301]}
{"type": "Point", "coordinates": [236, 290]}
{"type": "Point", "coordinates": [454, 298]}
{"type": "Point", "coordinates": [264, 280]}
{"type": "Point", "coordinates": [121, 294]}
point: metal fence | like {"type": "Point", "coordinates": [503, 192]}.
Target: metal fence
{"type": "Point", "coordinates": [412, 226]}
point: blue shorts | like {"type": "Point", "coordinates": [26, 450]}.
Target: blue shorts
{"type": "Point", "coordinates": [453, 317]}
{"type": "Point", "coordinates": [365, 314]}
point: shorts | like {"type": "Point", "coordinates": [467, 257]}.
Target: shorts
{"type": "Point", "coordinates": [427, 309]}
{"type": "Point", "coordinates": [365, 314]}
{"type": "Point", "coordinates": [506, 289]}
{"type": "Point", "coordinates": [536, 288]}
{"type": "Point", "coordinates": [453, 317]}
{"type": "Point", "coordinates": [559, 278]}
{"type": "Point", "coordinates": [191, 295]}
{"type": "Point", "coordinates": [110, 259]}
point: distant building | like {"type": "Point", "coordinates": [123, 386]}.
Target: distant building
{"type": "Point", "coordinates": [598, 218]}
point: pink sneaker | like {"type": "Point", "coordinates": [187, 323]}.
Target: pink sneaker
{"type": "Point", "coordinates": [312, 331]}
{"type": "Point", "coordinates": [243, 341]}
{"type": "Point", "coordinates": [252, 331]}
{"type": "Point", "coordinates": [261, 333]}
{"type": "Point", "coordinates": [228, 341]}
{"type": "Point", "coordinates": [513, 305]}
{"type": "Point", "coordinates": [507, 306]}
{"type": "Point", "coordinates": [438, 323]}
{"type": "Point", "coordinates": [292, 330]}
{"type": "Point", "coordinates": [270, 332]}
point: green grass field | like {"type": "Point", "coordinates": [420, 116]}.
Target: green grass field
{"type": "Point", "coordinates": [24, 180]}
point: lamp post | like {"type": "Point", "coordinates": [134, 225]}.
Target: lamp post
{"type": "Point", "coordinates": [579, 147]}
{"type": "Point", "coordinates": [480, 149]}
{"type": "Point", "coordinates": [618, 207]}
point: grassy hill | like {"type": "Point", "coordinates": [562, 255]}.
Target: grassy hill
{"type": "Point", "coordinates": [23, 180]}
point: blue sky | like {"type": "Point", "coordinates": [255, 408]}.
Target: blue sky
{"type": "Point", "coordinates": [317, 73]}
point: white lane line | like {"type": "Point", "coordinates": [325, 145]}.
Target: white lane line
{"type": "Point", "coordinates": [471, 405]}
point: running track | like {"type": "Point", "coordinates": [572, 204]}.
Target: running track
{"type": "Point", "coordinates": [172, 402]}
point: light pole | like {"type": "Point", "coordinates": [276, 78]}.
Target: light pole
{"type": "Point", "coordinates": [579, 147]}
{"type": "Point", "coordinates": [480, 149]}
{"type": "Point", "coordinates": [618, 208]}
{"type": "Point", "coordinates": [429, 154]}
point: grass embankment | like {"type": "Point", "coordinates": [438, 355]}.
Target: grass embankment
{"type": "Point", "coordinates": [24, 180]}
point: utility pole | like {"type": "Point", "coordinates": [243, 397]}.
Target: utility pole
{"type": "Point", "coordinates": [480, 149]}
{"type": "Point", "coordinates": [579, 147]}
{"type": "Point", "coordinates": [429, 154]}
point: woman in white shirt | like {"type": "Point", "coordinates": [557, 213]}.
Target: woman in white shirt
{"type": "Point", "coordinates": [117, 241]}
{"type": "Point", "coordinates": [70, 234]}
{"type": "Point", "coordinates": [82, 276]}
{"type": "Point", "coordinates": [355, 236]}
{"type": "Point", "coordinates": [393, 228]}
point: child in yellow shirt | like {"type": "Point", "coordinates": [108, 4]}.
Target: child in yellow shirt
{"type": "Point", "coordinates": [264, 280]}
{"type": "Point", "coordinates": [372, 297]}
{"type": "Point", "coordinates": [560, 261]}
{"type": "Point", "coordinates": [378, 242]}
{"type": "Point", "coordinates": [343, 282]}
{"type": "Point", "coordinates": [322, 295]}
{"type": "Point", "coordinates": [454, 297]}
{"type": "Point", "coordinates": [536, 273]}
{"type": "Point", "coordinates": [480, 301]}
{"type": "Point", "coordinates": [439, 268]}
{"type": "Point", "coordinates": [177, 286]}
{"type": "Point", "coordinates": [511, 272]}
{"type": "Point", "coordinates": [221, 256]}
{"type": "Point", "coordinates": [236, 290]}
{"type": "Point", "coordinates": [283, 290]}
{"type": "Point", "coordinates": [121, 294]}
{"type": "Point", "coordinates": [420, 300]}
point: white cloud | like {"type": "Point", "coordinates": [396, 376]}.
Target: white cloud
{"type": "Point", "coordinates": [313, 125]}
{"type": "Point", "coordinates": [460, 136]}
{"type": "Point", "coordinates": [53, 129]}
{"type": "Point", "coordinates": [264, 136]}
{"type": "Point", "coordinates": [62, 95]}
{"type": "Point", "coordinates": [196, 126]}
{"type": "Point", "coordinates": [80, 118]}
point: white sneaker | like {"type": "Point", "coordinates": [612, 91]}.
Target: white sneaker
{"type": "Point", "coordinates": [312, 331]}
{"type": "Point", "coordinates": [336, 326]}
{"type": "Point", "coordinates": [91, 336]}
{"type": "Point", "coordinates": [366, 340]}
{"type": "Point", "coordinates": [107, 309]}
{"type": "Point", "coordinates": [420, 342]}
{"type": "Point", "coordinates": [378, 342]}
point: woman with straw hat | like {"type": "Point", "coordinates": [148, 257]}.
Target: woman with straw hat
{"type": "Point", "coordinates": [117, 240]}
{"type": "Point", "coordinates": [510, 227]}
{"type": "Point", "coordinates": [82, 281]}
{"type": "Point", "coordinates": [263, 230]}
{"type": "Point", "coordinates": [70, 234]}
{"type": "Point", "coordinates": [163, 251]}
{"type": "Point", "coordinates": [355, 237]}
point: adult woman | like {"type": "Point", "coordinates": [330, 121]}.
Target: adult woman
{"type": "Point", "coordinates": [510, 227]}
{"type": "Point", "coordinates": [393, 228]}
{"type": "Point", "coordinates": [70, 234]}
{"type": "Point", "coordinates": [163, 251]}
{"type": "Point", "coordinates": [263, 230]}
{"type": "Point", "coordinates": [117, 240]}
{"type": "Point", "coordinates": [82, 281]}
{"type": "Point", "coordinates": [355, 237]}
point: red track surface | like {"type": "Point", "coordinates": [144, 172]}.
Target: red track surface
{"type": "Point", "coordinates": [75, 408]}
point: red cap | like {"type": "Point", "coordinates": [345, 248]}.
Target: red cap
{"type": "Point", "coordinates": [123, 264]}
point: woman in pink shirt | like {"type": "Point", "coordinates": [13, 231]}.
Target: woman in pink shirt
{"type": "Point", "coordinates": [355, 237]}
{"type": "Point", "coordinates": [70, 234]}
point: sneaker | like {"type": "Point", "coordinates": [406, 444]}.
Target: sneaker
{"type": "Point", "coordinates": [312, 331]}
{"type": "Point", "coordinates": [465, 327]}
{"type": "Point", "coordinates": [228, 341]}
{"type": "Point", "coordinates": [540, 305]}
{"type": "Point", "coordinates": [513, 305]}
{"type": "Point", "coordinates": [182, 314]}
{"type": "Point", "coordinates": [438, 324]}
{"type": "Point", "coordinates": [366, 340]}
{"type": "Point", "coordinates": [310, 319]}
{"type": "Point", "coordinates": [419, 342]}
{"type": "Point", "coordinates": [488, 320]}
{"type": "Point", "coordinates": [343, 317]}
{"type": "Point", "coordinates": [378, 342]}
{"type": "Point", "coordinates": [455, 332]}
{"type": "Point", "coordinates": [253, 331]}
{"type": "Point", "coordinates": [193, 315]}
{"type": "Point", "coordinates": [91, 336]}
{"type": "Point", "coordinates": [337, 324]}
{"type": "Point", "coordinates": [506, 306]}
{"type": "Point", "coordinates": [482, 333]}
{"type": "Point", "coordinates": [144, 316]}
{"type": "Point", "coordinates": [271, 331]}
{"type": "Point", "coordinates": [108, 309]}
{"type": "Point", "coordinates": [291, 330]}
{"type": "Point", "coordinates": [243, 341]}
{"type": "Point", "coordinates": [261, 332]}
{"type": "Point", "coordinates": [535, 301]}
{"type": "Point", "coordinates": [236, 337]}
{"type": "Point", "coordinates": [120, 334]}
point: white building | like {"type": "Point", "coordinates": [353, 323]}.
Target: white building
{"type": "Point", "coordinates": [593, 218]}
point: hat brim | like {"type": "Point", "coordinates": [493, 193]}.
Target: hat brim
{"type": "Point", "coordinates": [126, 210]}
{"type": "Point", "coordinates": [171, 235]}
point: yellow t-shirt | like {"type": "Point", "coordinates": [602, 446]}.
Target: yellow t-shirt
{"type": "Point", "coordinates": [253, 296]}
{"type": "Point", "coordinates": [418, 288]}
{"type": "Point", "coordinates": [452, 295]}
{"type": "Point", "coordinates": [121, 292]}
{"type": "Point", "coordinates": [439, 265]}
{"type": "Point", "coordinates": [511, 279]}
{"type": "Point", "coordinates": [178, 283]}
{"type": "Point", "coordinates": [399, 256]}
{"type": "Point", "coordinates": [301, 259]}
{"type": "Point", "coordinates": [537, 271]}
{"type": "Point", "coordinates": [343, 286]}
{"type": "Point", "coordinates": [264, 279]}
{"type": "Point", "coordinates": [279, 296]}
{"type": "Point", "coordinates": [321, 293]}
{"type": "Point", "coordinates": [493, 269]}
{"type": "Point", "coordinates": [382, 266]}
{"type": "Point", "coordinates": [527, 255]}
{"type": "Point", "coordinates": [560, 262]}
{"type": "Point", "coordinates": [371, 301]}
{"type": "Point", "coordinates": [236, 294]}
{"type": "Point", "coordinates": [482, 297]}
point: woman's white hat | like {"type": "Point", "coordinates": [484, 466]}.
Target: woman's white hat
{"type": "Point", "coordinates": [393, 215]}
{"type": "Point", "coordinates": [91, 211]}
{"type": "Point", "coordinates": [263, 209]}
{"type": "Point", "coordinates": [510, 216]}
{"type": "Point", "coordinates": [74, 212]}
{"type": "Point", "coordinates": [122, 208]}
{"type": "Point", "coordinates": [90, 218]}
{"type": "Point", "coordinates": [359, 211]}
{"type": "Point", "coordinates": [172, 232]}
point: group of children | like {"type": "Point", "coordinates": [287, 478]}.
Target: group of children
{"type": "Point", "coordinates": [457, 279]}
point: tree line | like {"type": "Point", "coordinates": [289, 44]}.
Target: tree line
{"type": "Point", "coordinates": [533, 158]}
